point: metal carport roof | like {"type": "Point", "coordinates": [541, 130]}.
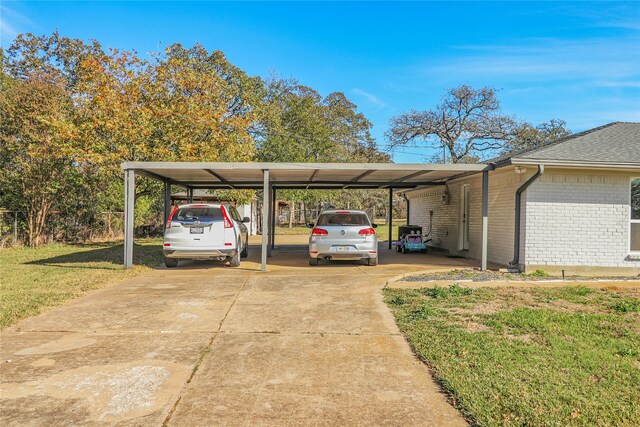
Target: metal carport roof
{"type": "Point", "coordinates": [300, 175]}
{"type": "Point", "coordinates": [272, 176]}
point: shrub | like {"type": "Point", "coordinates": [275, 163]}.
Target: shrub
{"type": "Point", "coordinates": [539, 273]}
{"type": "Point", "coordinates": [627, 306]}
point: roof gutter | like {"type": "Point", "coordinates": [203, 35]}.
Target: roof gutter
{"type": "Point", "coordinates": [519, 191]}
{"type": "Point", "coordinates": [574, 164]}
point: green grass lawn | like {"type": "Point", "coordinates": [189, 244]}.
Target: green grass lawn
{"type": "Point", "coordinates": [539, 356]}
{"type": "Point", "coordinates": [35, 279]}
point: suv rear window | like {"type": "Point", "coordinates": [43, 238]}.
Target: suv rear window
{"type": "Point", "coordinates": [343, 219]}
{"type": "Point", "coordinates": [198, 213]}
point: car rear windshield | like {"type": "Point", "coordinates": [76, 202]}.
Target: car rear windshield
{"type": "Point", "coordinates": [198, 213]}
{"type": "Point", "coordinates": [343, 219]}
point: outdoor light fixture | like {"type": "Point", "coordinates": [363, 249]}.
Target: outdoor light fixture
{"type": "Point", "coordinates": [520, 170]}
{"type": "Point", "coordinates": [445, 197]}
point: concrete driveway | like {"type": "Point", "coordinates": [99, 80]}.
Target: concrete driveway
{"type": "Point", "coordinates": [211, 345]}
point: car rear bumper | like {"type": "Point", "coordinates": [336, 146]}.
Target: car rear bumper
{"type": "Point", "coordinates": [355, 252]}
{"type": "Point", "coordinates": [198, 253]}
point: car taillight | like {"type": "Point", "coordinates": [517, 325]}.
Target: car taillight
{"type": "Point", "coordinates": [367, 231]}
{"type": "Point", "coordinates": [319, 232]}
{"type": "Point", "coordinates": [173, 212]}
{"type": "Point", "coordinates": [225, 217]}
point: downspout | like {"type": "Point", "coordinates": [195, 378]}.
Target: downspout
{"type": "Point", "coordinates": [408, 207]}
{"type": "Point", "coordinates": [516, 236]}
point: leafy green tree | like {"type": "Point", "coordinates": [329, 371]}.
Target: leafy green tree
{"type": "Point", "coordinates": [527, 136]}
{"type": "Point", "coordinates": [38, 156]}
{"type": "Point", "coordinates": [183, 104]}
{"type": "Point", "coordinates": [72, 111]}
{"type": "Point", "coordinates": [298, 125]}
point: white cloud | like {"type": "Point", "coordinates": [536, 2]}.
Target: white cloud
{"type": "Point", "coordinates": [11, 22]}
{"type": "Point", "coordinates": [540, 59]}
{"type": "Point", "coordinates": [619, 83]}
{"type": "Point", "coordinates": [370, 97]}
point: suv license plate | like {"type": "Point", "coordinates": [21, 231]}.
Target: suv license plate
{"type": "Point", "coordinates": [197, 230]}
{"type": "Point", "coordinates": [343, 248]}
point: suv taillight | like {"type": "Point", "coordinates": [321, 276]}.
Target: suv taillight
{"type": "Point", "coordinates": [367, 231]}
{"type": "Point", "coordinates": [319, 232]}
{"type": "Point", "coordinates": [225, 217]}
{"type": "Point", "coordinates": [173, 212]}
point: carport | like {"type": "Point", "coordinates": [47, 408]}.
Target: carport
{"type": "Point", "coordinates": [270, 177]}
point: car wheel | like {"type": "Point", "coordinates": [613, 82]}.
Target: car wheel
{"type": "Point", "coordinates": [245, 251]}
{"type": "Point", "coordinates": [313, 261]}
{"type": "Point", "coordinates": [235, 260]}
{"type": "Point", "coordinates": [373, 261]}
{"type": "Point", "coordinates": [170, 262]}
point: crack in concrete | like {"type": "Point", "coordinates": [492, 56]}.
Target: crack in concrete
{"type": "Point", "coordinates": [206, 350]}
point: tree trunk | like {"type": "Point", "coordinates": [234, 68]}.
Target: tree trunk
{"type": "Point", "coordinates": [292, 210]}
{"type": "Point", "coordinates": [36, 220]}
{"type": "Point", "coordinates": [304, 214]}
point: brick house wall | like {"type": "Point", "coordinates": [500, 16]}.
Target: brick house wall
{"type": "Point", "coordinates": [579, 218]}
{"type": "Point", "coordinates": [570, 219]}
{"type": "Point", "coordinates": [446, 218]}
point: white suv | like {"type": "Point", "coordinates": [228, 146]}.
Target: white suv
{"type": "Point", "coordinates": [205, 231]}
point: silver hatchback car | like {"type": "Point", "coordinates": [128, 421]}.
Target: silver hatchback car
{"type": "Point", "coordinates": [343, 235]}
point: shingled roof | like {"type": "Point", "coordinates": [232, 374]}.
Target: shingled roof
{"type": "Point", "coordinates": [614, 144]}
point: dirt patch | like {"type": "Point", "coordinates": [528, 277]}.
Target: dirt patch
{"type": "Point", "coordinates": [113, 392]}
{"type": "Point", "coordinates": [473, 326]}
{"type": "Point", "coordinates": [523, 337]}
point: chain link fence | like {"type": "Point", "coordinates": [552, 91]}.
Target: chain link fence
{"type": "Point", "coordinates": [62, 228]}
{"type": "Point", "coordinates": [9, 228]}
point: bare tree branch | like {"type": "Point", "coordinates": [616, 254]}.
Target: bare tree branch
{"type": "Point", "coordinates": [465, 122]}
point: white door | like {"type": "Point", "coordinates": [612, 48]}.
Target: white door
{"type": "Point", "coordinates": [464, 218]}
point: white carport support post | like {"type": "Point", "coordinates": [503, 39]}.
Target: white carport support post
{"type": "Point", "coordinates": [129, 203]}
{"type": "Point", "coordinates": [167, 201]}
{"type": "Point", "coordinates": [485, 219]}
{"type": "Point", "coordinates": [266, 207]}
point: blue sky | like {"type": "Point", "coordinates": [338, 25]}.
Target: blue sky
{"type": "Point", "coordinates": [579, 62]}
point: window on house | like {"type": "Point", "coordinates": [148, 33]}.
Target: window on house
{"type": "Point", "coordinates": [635, 215]}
